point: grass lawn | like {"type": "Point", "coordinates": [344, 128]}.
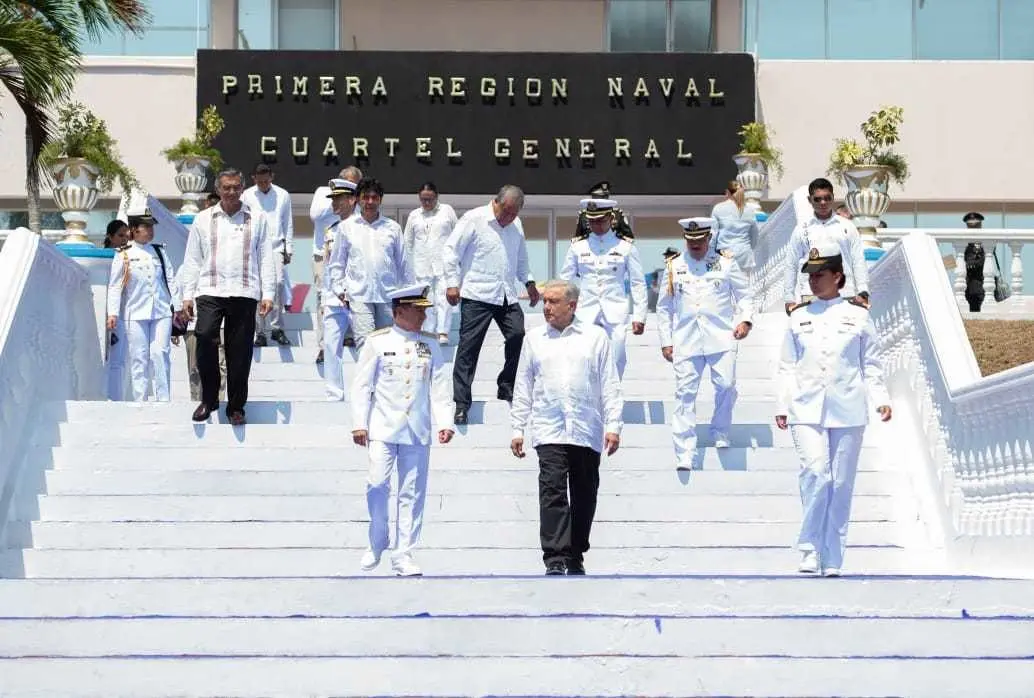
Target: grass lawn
{"type": "Point", "coordinates": [1001, 344]}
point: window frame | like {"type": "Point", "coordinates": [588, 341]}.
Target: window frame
{"type": "Point", "coordinates": [669, 27]}
{"type": "Point", "coordinates": [275, 19]}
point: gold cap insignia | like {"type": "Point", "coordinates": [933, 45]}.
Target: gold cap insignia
{"type": "Point", "coordinates": [591, 206]}
{"type": "Point", "coordinates": [814, 254]}
{"type": "Point", "coordinates": [693, 225]}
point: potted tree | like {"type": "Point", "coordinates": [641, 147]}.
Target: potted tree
{"type": "Point", "coordinates": [757, 158]}
{"type": "Point", "coordinates": [83, 161]}
{"type": "Point", "coordinates": [192, 157]}
{"type": "Point", "coordinates": [868, 168]}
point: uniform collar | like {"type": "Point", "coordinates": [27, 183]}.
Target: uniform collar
{"type": "Point", "coordinates": [405, 333]}
{"type": "Point", "coordinates": [608, 237]}
{"type": "Point", "coordinates": [831, 301]}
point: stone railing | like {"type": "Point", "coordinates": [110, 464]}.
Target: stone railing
{"type": "Point", "coordinates": [771, 252]}
{"type": "Point", "coordinates": [973, 437]}
{"type": "Point", "coordinates": [49, 348]}
{"type": "Point", "coordinates": [1008, 241]}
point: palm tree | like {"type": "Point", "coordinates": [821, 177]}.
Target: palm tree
{"type": "Point", "coordinates": [40, 56]}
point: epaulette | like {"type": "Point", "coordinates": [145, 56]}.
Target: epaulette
{"type": "Point", "coordinates": [383, 330]}
{"type": "Point", "coordinates": [853, 300]}
{"type": "Point", "coordinates": [727, 253]}
{"type": "Point", "coordinates": [798, 306]}
{"type": "Point", "coordinates": [621, 226]}
{"type": "Point", "coordinates": [123, 248]}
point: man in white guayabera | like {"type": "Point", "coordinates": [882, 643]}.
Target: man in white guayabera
{"type": "Point", "coordinates": [273, 203]}
{"type": "Point", "coordinates": [427, 230]}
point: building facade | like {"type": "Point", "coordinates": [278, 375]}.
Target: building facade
{"type": "Point", "coordinates": [961, 69]}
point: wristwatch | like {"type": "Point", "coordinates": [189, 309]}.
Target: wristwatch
{"type": "Point", "coordinates": [863, 294]}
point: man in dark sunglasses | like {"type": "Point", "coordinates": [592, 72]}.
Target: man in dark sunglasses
{"type": "Point", "coordinates": [825, 226]}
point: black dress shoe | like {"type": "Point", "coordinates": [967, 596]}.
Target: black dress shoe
{"type": "Point", "coordinates": [319, 357]}
{"type": "Point", "coordinates": [237, 418]}
{"type": "Point", "coordinates": [202, 413]}
{"type": "Point", "coordinates": [555, 569]}
{"type": "Point", "coordinates": [575, 568]}
{"type": "Point", "coordinates": [461, 415]}
{"type": "Point", "coordinates": [261, 341]}
{"type": "Point", "coordinates": [349, 342]}
{"type": "Point", "coordinates": [280, 338]}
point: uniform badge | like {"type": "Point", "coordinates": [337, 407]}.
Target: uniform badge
{"type": "Point", "coordinates": [814, 253]}
{"type": "Point", "coordinates": [389, 353]}
{"type": "Point", "coordinates": [423, 350]}
{"type": "Point", "coordinates": [712, 266]}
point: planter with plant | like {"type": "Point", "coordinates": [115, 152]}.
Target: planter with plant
{"type": "Point", "coordinates": [83, 161]}
{"type": "Point", "coordinates": [757, 158]}
{"type": "Point", "coordinates": [192, 158]}
{"type": "Point", "coordinates": [868, 168]}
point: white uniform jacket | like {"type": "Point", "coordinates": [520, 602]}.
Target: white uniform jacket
{"type": "Point", "coordinates": [567, 389]}
{"type": "Point", "coordinates": [828, 362]}
{"type": "Point", "coordinates": [426, 233]}
{"type": "Point", "coordinates": [401, 382]}
{"type": "Point", "coordinates": [228, 256]}
{"type": "Point", "coordinates": [487, 263]}
{"type": "Point", "coordinates": [836, 229]}
{"type": "Point", "coordinates": [275, 207]}
{"type": "Point", "coordinates": [737, 231]}
{"type": "Point", "coordinates": [700, 302]}
{"type": "Point", "coordinates": [602, 264]}
{"type": "Point", "coordinates": [322, 215]}
{"type": "Point", "coordinates": [136, 289]}
{"type": "Point", "coordinates": [328, 298]}
{"type": "Point", "coordinates": [367, 260]}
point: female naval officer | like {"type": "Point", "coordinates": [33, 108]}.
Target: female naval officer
{"type": "Point", "coordinates": [737, 226]}
{"type": "Point", "coordinates": [829, 380]}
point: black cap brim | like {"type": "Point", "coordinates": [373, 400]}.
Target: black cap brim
{"type": "Point", "coordinates": [814, 266]}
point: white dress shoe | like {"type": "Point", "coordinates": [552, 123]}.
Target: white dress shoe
{"type": "Point", "coordinates": [831, 572]}
{"type": "Point", "coordinates": [370, 560]}
{"type": "Point", "coordinates": [443, 339]}
{"type": "Point", "coordinates": [404, 566]}
{"type": "Point", "coordinates": [721, 440]}
{"type": "Point", "coordinates": [809, 563]}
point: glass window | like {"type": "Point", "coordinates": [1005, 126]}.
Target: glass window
{"type": "Point", "coordinates": [638, 25]}
{"type": "Point", "coordinates": [956, 29]}
{"type": "Point", "coordinates": [307, 24]}
{"type": "Point", "coordinates": [750, 25]}
{"type": "Point", "coordinates": [255, 24]}
{"type": "Point", "coordinates": [1017, 30]}
{"type": "Point", "coordinates": [166, 42]}
{"type": "Point", "coordinates": [190, 14]}
{"type": "Point", "coordinates": [791, 29]}
{"type": "Point", "coordinates": [691, 30]}
{"type": "Point", "coordinates": [176, 29]}
{"type": "Point", "coordinates": [902, 219]}
{"type": "Point", "coordinates": [869, 29]}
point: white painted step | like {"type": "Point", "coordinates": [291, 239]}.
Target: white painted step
{"type": "Point", "coordinates": [438, 534]}
{"type": "Point", "coordinates": [440, 507]}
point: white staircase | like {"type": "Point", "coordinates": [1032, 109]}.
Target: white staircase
{"type": "Point", "coordinates": [164, 558]}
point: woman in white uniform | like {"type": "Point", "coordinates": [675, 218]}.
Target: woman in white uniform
{"type": "Point", "coordinates": [427, 229]}
{"type": "Point", "coordinates": [737, 226]}
{"type": "Point", "coordinates": [829, 384]}
{"type": "Point", "coordinates": [143, 296]}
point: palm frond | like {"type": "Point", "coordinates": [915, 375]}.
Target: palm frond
{"type": "Point", "coordinates": [61, 16]}
{"type": "Point", "coordinates": [103, 16]}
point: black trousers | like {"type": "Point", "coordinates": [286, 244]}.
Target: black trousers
{"type": "Point", "coordinates": [236, 317]}
{"type": "Point", "coordinates": [974, 256]}
{"type": "Point", "coordinates": [475, 317]}
{"type": "Point", "coordinates": [564, 528]}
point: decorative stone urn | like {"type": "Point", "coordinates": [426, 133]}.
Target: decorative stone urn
{"type": "Point", "coordinates": [75, 193]}
{"type": "Point", "coordinates": [192, 181]}
{"type": "Point", "coordinates": [867, 199]}
{"type": "Point", "coordinates": [753, 177]}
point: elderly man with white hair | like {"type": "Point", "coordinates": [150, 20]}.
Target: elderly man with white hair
{"type": "Point", "coordinates": [567, 395]}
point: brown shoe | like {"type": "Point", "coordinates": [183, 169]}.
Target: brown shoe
{"type": "Point", "coordinates": [237, 418]}
{"type": "Point", "coordinates": [202, 413]}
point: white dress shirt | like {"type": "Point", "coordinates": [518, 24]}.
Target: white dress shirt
{"type": "Point", "coordinates": [401, 382]}
{"type": "Point", "coordinates": [228, 256]}
{"type": "Point", "coordinates": [567, 389]}
{"type": "Point", "coordinates": [136, 289]}
{"type": "Point", "coordinates": [275, 207]}
{"type": "Point", "coordinates": [829, 373]}
{"type": "Point", "coordinates": [700, 302]}
{"type": "Point", "coordinates": [736, 231]}
{"type": "Point", "coordinates": [322, 215]}
{"type": "Point", "coordinates": [426, 233]}
{"type": "Point", "coordinates": [836, 229]}
{"type": "Point", "coordinates": [602, 264]}
{"type": "Point", "coordinates": [486, 262]}
{"type": "Point", "coordinates": [367, 260]}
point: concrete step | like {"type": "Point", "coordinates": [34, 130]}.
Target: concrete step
{"type": "Point", "coordinates": [344, 562]}
{"type": "Point", "coordinates": [442, 480]}
{"type": "Point", "coordinates": [353, 534]}
{"type": "Point", "coordinates": [560, 676]}
{"type": "Point", "coordinates": [304, 457]}
{"type": "Point", "coordinates": [440, 507]}
{"type": "Point", "coordinates": [848, 638]}
{"type": "Point", "coordinates": [654, 598]}
{"type": "Point", "coordinates": [479, 436]}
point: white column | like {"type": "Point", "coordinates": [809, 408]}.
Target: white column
{"type": "Point", "coordinates": [989, 270]}
{"type": "Point", "coordinates": [959, 248]}
{"type": "Point", "coordinates": [1016, 268]}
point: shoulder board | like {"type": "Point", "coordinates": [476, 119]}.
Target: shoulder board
{"type": "Point", "coordinates": [853, 300]}
{"type": "Point", "coordinates": [158, 244]}
{"type": "Point", "coordinates": [627, 237]}
{"type": "Point", "coordinates": [383, 330]}
{"type": "Point", "coordinates": [727, 253]}
{"type": "Point", "coordinates": [124, 247]}
{"type": "Point", "coordinates": [799, 306]}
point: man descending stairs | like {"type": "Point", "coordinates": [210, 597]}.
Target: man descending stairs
{"type": "Point", "coordinates": [154, 557]}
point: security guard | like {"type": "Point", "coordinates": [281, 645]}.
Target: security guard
{"type": "Point", "coordinates": [337, 317]}
{"type": "Point", "coordinates": [602, 262]}
{"type": "Point", "coordinates": [705, 307]}
{"type": "Point", "coordinates": [620, 221]}
{"type": "Point", "coordinates": [829, 380]}
{"type": "Point", "coordinates": [974, 258]}
{"type": "Point", "coordinates": [401, 381]}
{"type": "Point", "coordinates": [143, 295]}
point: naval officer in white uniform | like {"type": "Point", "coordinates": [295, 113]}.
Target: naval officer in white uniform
{"type": "Point", "coordinates": [143, 295]}
{"type": "Point", "coordinates": [704, 308]}
{"type": "Point", "coordinates": [401, 382]}
{"type": "Point", "coordinates": [830, 382]}
{"type": "Point", "coordinates": [601, 263]}
{"type": "Point", "coordinates": [337, 316]}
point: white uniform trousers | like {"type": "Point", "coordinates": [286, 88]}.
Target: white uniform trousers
{"type": "Point", "coordinates": [265, 325]}
{"type": "Point", "coordinates": [335, 324]}
{"type": "Point", "coordinates": [688, 372]}
{"type": "Point", "coordinates": [116, 362]}
{"type": "Point", "coordinates": [617, 334]}
{"type": "Point", "coordinates": [443, 312]}
{"type": "Point", "coordinates": [317, 285]}
{"type": "Point", "coordinates": [412, 462]}
{"type": "Point", "coordinates": [149, 350]}
{"type": "Point", "coordinates": [367, 318]}
{"type": "Point", "coordinates": [829, 465]}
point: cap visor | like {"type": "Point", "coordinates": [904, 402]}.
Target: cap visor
{"type": "Point", "coordinates": [696, 234]}
{"type": "Point", "coordinates": [593, 215]}
{"type": "Point", "coordinates": [815, 267]}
